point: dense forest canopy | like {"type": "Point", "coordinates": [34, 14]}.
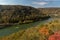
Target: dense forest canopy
{"type": "Point", "coordinates": [19, 14]}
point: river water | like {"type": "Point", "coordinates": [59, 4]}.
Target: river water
{"type": "Point", "coordinates": [13, 29]}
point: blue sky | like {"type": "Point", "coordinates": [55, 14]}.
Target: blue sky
{"type": "Point", "coordinates": [34, 3]}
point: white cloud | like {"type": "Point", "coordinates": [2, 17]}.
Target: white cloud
{"type": "Point", "coordinates": [7, 2]}
{"type": "Point", "coordinates": [49, 0]}
{"type": "Point", "coordinates": [40, 3]}
{"type": "Point", "coordinates": [3, 3]}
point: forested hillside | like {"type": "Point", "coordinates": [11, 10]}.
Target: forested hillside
{"type": "Point", "coordinates": [42, 30]}
{"type": "Point", "coordinates": [19, 14]}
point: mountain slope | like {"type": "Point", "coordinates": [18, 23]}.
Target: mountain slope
{"type": "Point", "coordinates": [19, 14]}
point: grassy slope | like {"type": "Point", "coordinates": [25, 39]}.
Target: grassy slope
{"type": "Point", "coordinates": [35, 33]}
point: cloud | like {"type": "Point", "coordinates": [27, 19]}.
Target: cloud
{"type": "Point", "coordinates": [49, 0]}
{"type": "Point", "coordinates": [7, 4]}
{"type": "Point", "coordinates": [2, 3]}
{"type": "Point", "coordinates": [40, 3]}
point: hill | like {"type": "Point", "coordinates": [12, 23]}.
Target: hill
{"type": "Point", "coordinates": [53, 12]}
{"type": "Point", "coordinates": [10, 14]}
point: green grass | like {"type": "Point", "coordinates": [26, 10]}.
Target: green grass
{"type": "Point", "coordinates": [32, 33]}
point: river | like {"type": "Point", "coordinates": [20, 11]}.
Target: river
{"type": "Point", "coordinates": [13, 29]}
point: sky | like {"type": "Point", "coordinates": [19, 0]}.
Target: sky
{"type": "Point", "coordinates": [33, 3]}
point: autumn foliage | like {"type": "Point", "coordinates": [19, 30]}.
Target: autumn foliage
{"type": "Point", "coordinates": [44, 31]}
{"type": "Point", "coordinates": [55, 36]}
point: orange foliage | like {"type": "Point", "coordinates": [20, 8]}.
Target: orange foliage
{"type": "Point", "coordinates": [55, 36]}
{"type": "Point", "coordinates": [44, 31]}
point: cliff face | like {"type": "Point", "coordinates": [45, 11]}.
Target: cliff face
{"type": "Point", "coordinates": [19, 14]}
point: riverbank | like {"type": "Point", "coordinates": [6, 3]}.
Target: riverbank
{"type": "Point", "coordinates": [43, 30]}
{"type": "Point", "coordinates": [12, 29]}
